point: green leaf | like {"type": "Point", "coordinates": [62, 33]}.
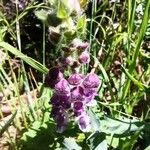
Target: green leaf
{"type": "Point", "coordinates": [95, 123]}
{"type": "Point", "coordinates": [120, 127]}
{"type": "Point", "coordinates": [7, 124]}
{"type": "Point", "coordinates": [97, 141]}
{"type": "Point", "coordinates": [61, 11]}
{"type": "Point", "coordinates": [71, 144]}
{"type": "Point", "coordinates": [33, 63]}
{"type": "Point", "coordinates": [147, 148]}
{"type": "Point", "coordinates": [42, 15]}
{"type": "Point", "coordinates": [81, 24]}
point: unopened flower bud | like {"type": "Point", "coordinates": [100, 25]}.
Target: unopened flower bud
{"type": "Point", "coordinates": [62, 87]}
{"type": "Point", "coordinates": [54, 76]}
{"type": "Point", "coordinates": [75, 79]}
{"type": "Point", "coordinates": [68, 61]}
{"type": "Point", "coordinates": [84, 58]}
{"type": "Point", "coordinates": [84, 46]}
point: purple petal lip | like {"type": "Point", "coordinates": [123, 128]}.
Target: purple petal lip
{"type": "Point", "coordinates": [91, 81]}
{"type": "Point", "coordinates": [75, 79]}
{"type": "Point", "coordinates": [77, 93]}
{"type": "Point", "coordinates": [62, 87]}
{"type": "Point", "coordinates": [84, 122]}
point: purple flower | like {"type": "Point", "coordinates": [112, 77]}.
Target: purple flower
{"type": "Point", "coordinates": [78, 108]}
{"type": "Point", "coordinates": [91, 81]}
{"type": "Point", "coordinates": [61, 100]}
{"type": "Point", "coordinates": [62, 87]}
{"type": "Point", "coordinates": [84, 122]}
{"type": "Point", "coordinates": [84, 58]}
{"type": "Point", "coordinates": [60, 117]}
{"type": "Point", "coordinates": [54, 76]}
{"type": "Point", "coordinates": [77, 43]}
{"type": "Point", "coordinates": [56, 111]}
{"type": "Point", "coordinates": [68, 61]}
{"type": "Point", "coordinates": [61, 121]}
{"type": "Point", "coordinates": [77, 93]}
{"type": "Point", "coordinates": [75, 79]}
{"type": "Point", "coordinates": [89, 94]}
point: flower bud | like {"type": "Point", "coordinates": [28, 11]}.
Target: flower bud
{"type": "Point", "coordinates": [54, 76]}
{"type": "Point", "coordinates": [62, 87]}
{"type": "Point", "coordinates": [91, 81]}
{"type": "Point", "coordinates": [84, 58]}
{"type": "Point", "coordinates": [78, 44]}
{"type": "Point", "coordinates": [68, 61]}
{"type": "Point", "coordinates": [84, 46]}
{"type": "Point", "coordinates": [75, 79]}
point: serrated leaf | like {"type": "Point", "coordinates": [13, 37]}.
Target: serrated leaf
{"type": "Point", "coordinates": [71, 144]}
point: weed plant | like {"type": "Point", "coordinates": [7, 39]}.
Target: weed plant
{"type": "Point", "coordinates": [36, 36]}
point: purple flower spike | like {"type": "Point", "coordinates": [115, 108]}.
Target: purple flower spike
{"type": "Point", "coordinates": [91, 81]}
{"type": "Point", "coordinates": [75, 79]}
{"type": "Point", "coordinates": [62, 87]}
{"type": "Point", "coordinates": [84, 58]}
{"type": "Point", "coordinates": [84, 123]}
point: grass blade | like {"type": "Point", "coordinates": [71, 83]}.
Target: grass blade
{"type": "Point", "coordinates": [7, 124]}
{"type": "Point", "coordinates": [33, 63]}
